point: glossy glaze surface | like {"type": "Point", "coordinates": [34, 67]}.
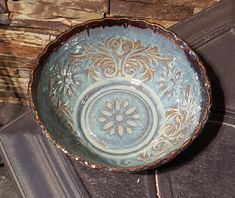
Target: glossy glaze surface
{"type": "Point", "coordinates": [121, 94]}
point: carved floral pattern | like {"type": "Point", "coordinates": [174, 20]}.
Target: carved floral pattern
{"type": "Point", "coordinates": [66, 81]}
{"type": "Point", "coordinates": [179, 121]}
{"type": "Point", "coordinates": [170, 80]}
{"type": "Point", "coordinates": [120, 57]}
{"type": "Point", "coordinates": [119, 117]}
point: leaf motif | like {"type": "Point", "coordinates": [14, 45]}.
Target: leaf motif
{"type": "Point", "coordinates": [136, 116]}
{"type": "Point", "coordinates": [130, 110]}
{"type": "Point", "coordinates": [108, 125]}
{"type": "Point", "coordinates": [120, 130]}
{"type": "Point", "coordinates": [129, 130]}
{"type": "Point", "coordinates": [126, 104]}
{"type": "Point", "coordinates": [106, 113]}
{"type": "Point", "coordinates": [112, 131]}
{"type": "Point", "coordinates": [187, 91]}
{"type": "Point", "coordinates": [131, 123]}
{"type": "Point", "coordinates": [117, 105]}
{"type": "Point", "coordinates": [102, 119]}
{"type": "Point", "coordinates": [109, 105]}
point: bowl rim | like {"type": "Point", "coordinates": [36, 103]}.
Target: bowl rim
{"type": "Point", "coordinates": [58, 41]}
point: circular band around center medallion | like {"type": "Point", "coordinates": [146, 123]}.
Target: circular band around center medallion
{"type": "Point", "coordinates": [91, 101]}
{"type": "Point", "coordinates": [91, 136]}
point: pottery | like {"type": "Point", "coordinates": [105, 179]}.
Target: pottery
{"type": "Point", "coordinates": [120, 94]}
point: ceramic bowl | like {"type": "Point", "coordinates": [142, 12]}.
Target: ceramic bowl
{"type": "Point", "coordinates": [120, 94]}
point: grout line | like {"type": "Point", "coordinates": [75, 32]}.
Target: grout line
{"type": "Point", "coordinates": [157, 184]}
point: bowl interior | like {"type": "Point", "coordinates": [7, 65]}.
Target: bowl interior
{"type": "Point", "coordinates": [120, 93]}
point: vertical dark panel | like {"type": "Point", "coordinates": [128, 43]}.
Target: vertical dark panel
{"type": "Point", "coordinates": [3, 13]}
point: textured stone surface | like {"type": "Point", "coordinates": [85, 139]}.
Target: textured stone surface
{"type": "Point", "coordinates": [158, 10]}
{"type": "Point", "coordinates": [164, 12]}
{"type": "Point", "coordinates": [3, 7]}
{"type": "Point", "coordinates": [58, 15]}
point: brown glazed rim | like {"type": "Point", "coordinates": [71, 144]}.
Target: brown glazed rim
{"type": "Point", "coordinates": [200, 69]}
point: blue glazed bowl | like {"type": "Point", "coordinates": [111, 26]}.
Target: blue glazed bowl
{"type": "Point", "coordinates": [120, 94]}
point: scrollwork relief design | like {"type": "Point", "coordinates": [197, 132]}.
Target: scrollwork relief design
{"type": "Point", "coordinates": [121, 57]}
{"type": "Point", "coordinates": [180, 119]}
{"type": "Point", "coordinates": [64, 114]}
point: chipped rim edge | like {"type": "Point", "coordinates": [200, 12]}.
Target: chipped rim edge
{"type": "Point", "coordinates": [177, 41]}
